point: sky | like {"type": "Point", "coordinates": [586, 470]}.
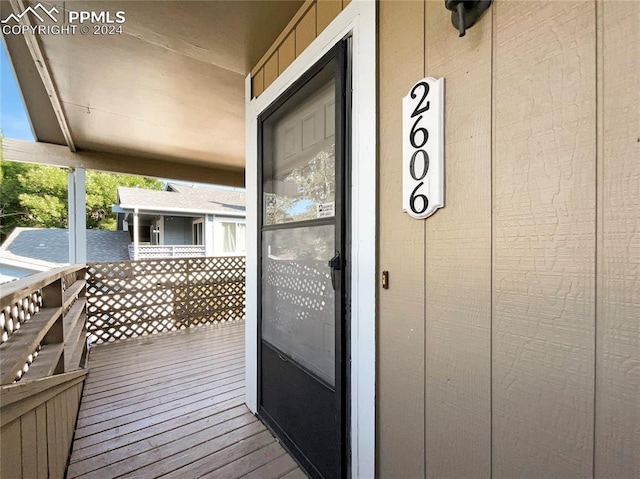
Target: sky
{"type": "Point", "coordinates": [13, 119]}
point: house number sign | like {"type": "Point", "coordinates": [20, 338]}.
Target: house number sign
{"type": "Point", "coordinates": [423, 148]}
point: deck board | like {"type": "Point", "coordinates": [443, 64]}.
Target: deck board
{"type": "Point", "coordinates": [136, 393]}
{"type": "Point", "coordinates": [172, 405]}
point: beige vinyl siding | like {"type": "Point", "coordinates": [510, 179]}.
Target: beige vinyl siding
{"type": "Point", "coordinates": [400, 407]}
{"type": "Point", "coordinates": [544, 192]}
{"type": "Point", "coordinates": [326, 11]}
{"type": "Point", "coordinates": [312, 18]}
{"type": "Point", "coordinates": [257, 82]}
{"type": "Point", "coordinates": [287, 52]}
{"type": "Point", "coordinates": [271, 69]}
{"type": "Point", "coordinates": [306, 30]}
{"type": "Point", "coordinates": [458, 258]}
{"type": "Point", "coordinates": [617, 418]}
{"type": "Point", "coordinates": [508, 339]}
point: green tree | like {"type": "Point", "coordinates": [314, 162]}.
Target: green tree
{"type": "Point", "coordinates": [102, 194]}
{"type": "Point", "coordinates": [43, 196]}
{"type": "Point", "coordinates": [36, 196]}
{"type": "Point", "coordinates": [12, 212]}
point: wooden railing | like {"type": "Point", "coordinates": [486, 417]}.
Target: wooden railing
{"type": "Point", "coordinates": [43, 326]}
{"type": "Point", "coordinates": [42, 320]}
{"type": "Point", "coordinates": [136, 298]}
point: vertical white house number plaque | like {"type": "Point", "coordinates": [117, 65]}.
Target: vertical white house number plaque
{"type": "Point", "coordinates": [423, 148]}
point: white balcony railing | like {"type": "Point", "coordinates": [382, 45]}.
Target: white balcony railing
{"type": "Point", "coordinates": [167, 251]}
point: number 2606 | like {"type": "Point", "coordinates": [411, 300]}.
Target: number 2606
{"type": "Point", "coordinates": [418, 137]}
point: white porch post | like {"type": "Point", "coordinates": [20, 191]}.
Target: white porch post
{"type": "Point", "coordinates": [136, 234]}
{"type": "Point", "coordinates": [76, 193]}
{"type": "Point", "coordinates": [208, 235]}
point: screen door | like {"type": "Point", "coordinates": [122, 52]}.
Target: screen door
{"type": "Point", "coordinates": [304, 266]}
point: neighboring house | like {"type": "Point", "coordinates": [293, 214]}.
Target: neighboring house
{"type": "Point", "coordinates": [31, 250]}
{"type": "Point", "coordinates": [182, 221]}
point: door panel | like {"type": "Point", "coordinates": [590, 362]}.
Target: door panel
{"type": "Point", "coordinates": [302, 308]}
{"type": "Point", "coordinates": [302, 413]}
{"type": "Point", "coordinates": [299, 173]}
{"type": "Point", "coordinates": [298, 301]}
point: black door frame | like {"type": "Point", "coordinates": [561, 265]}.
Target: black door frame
{"type": "Point", "coordinates": [341, 54]}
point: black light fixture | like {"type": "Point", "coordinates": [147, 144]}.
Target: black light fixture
{"type": "Point", "coordinates": [464, 14]}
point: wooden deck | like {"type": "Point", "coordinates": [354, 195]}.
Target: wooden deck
{"type": "Point", "coordinates": [171, 405]}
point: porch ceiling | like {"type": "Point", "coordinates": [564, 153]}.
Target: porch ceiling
{"type": "Point", "coordinates": [171, 87]}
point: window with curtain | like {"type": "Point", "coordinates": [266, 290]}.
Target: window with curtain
{"type": "Point", "coordinates": [233, 239]}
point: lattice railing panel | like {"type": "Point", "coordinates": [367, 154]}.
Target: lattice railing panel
{"type": "Point", "coordinates": [44, 301]}
{"type": "Point", "coordinates": [15, 315]}
{"type": "Point", "coordinates": [135, 298]}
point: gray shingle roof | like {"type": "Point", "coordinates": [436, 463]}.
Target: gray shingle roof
{"type": "Point", "coordinates": [183, 198]}
{"type": "Point", "coordinates": [52, 244]}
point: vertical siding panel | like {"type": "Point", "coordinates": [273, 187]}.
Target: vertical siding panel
{"type": "Point", "coordinates": [41, 431]}
{"type": "Point", "coordinates": [617, 447]}
{"type": "Point", "coordinates": [286, 52]}
{"type": "Point", "coordinates": [257, 83]}
{"type": "Point", "coordinates": [77, 392]}
{"type": "Point", "coordinates": [400, 406]}
{"type": "Point", "coordinates": [64, 428]}
{"type": "Point", "coordinates": [10, 451]}
{"type": "Point", "coordinates": [271, 70]}
{"type": "Point", "coordinates": [72, 410]}
{"type": "Point", "coordinates": [306, 31]}
{"type": "Point", "coordinates": [327, 11]}
{"type": "Point", "coordinates": [51, 439]}
{"type": "Point", "coordinates": [59, 435]}
{"type": "Point", "coordinates": [29, 444]}
{"type": "Point", "coordinates": [544, 244]}
{"type": "Point", "coordinates": [458, 258]}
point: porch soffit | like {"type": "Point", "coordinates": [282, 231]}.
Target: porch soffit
{"type": "Point", "coordinates": [170, 87]}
